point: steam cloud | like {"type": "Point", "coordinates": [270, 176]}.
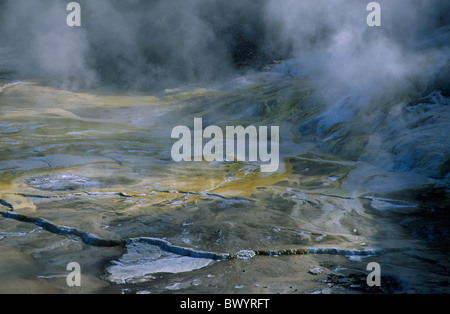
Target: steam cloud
{"type": "Point", "coordinates": [162, 43]}
{"type": "Point", "coordinates": [331, 39]}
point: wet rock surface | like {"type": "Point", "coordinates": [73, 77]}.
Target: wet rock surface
{"type": "Point", "coordinates": [318, 212]}
{"type": "Point", "coordinates": [62, 182]}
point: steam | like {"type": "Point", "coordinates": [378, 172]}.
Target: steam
{"type": "Point", "coordinates": [333, 42]}
{"type": "Point", "coordinates": [131, 44]}
{"type": "Point", "coordinates": [163, 43]}
{"type": "Point", "coordinates": [37, 45]}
